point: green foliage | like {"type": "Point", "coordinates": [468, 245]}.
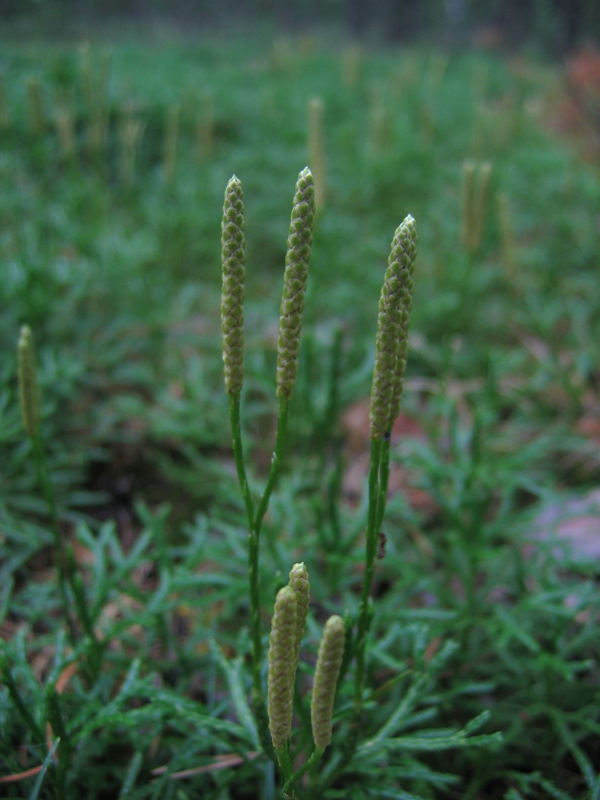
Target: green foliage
{"type": "Point", "coordinates": [480, 670]}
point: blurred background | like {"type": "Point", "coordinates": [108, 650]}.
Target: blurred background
{"type": "Point", "coordinates": [121, 124]}
{"type": "Point", "coordinates": [554, 26]}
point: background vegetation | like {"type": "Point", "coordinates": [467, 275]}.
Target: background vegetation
{"type": "Point", "coordinates": [552, 26]}
{"type": "Point", "coordinates": [111, 253]}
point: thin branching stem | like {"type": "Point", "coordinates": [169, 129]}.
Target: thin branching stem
{"type": "Point", "coordinates": [282, 421]}
{"type": "Point", "coordinates": [255, 519]}
{"type": "Point", "coordinates": [310, 764]}
{"type": "Point", "coordinates": [287, 769]}
{"type": "Point", "coordinates": [384, 475]}
{"type": "Point", "coordinates": [254, 540]}
{"type": "Point", "coordinates": [43, 475]}
{"type": "Point", "coordinates": [371, 549]}
{"type": "Point", "coordinates": [238, 454]}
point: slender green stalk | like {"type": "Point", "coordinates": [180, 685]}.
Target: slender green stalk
{"type": "Point", "coordinates": [238, 454]}
{"type": "Point", "coordinates": [29, 397]}
{"type": "Point", "coordinates": [254, 539]}
{"type": "Point", "coordinates": [285, 762]}
{"type": "Point", "coordinates": [261, 716]}
{"type": "Point", "coordinates": [371, 550]}
{"type": "Point", "coordinates": [67, 571]}
{"type": "Point", "coordinates": [255, 523]}
{"type": "Point", "coordinates": [282, 421]}
{"type": "Point", "coordinates": [29, 391]}
{"type": "Point", "coordinates": [258, 698]}
{"type": "Point", "coordinates": [67, 574]}
{"type": "Point", "coordinates": [384, 475]}
{"type": "Point", "coordinates": [43, 475]}
{"type": "Point", "coordinates": [309, 764]}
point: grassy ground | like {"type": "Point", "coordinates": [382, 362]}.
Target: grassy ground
{"type": "Point", "coordinates": [115, 264]}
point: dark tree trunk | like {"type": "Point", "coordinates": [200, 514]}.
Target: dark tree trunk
{"type": "Point", "coordinates": [402, 19]}
{"type": "Point", "coordinates": [357, 16]}
{"type": "Point", "coordinates": [571, 13]}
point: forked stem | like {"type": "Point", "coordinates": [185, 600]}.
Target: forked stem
{"type": "Point", "coordinates": [255, 519]}
{"type": "Point", "coordinates": [310, 764]}
{"type": "Point", "coordinates": [238, 454]}
{"type": "Point", "coordinates": [43, 476]}
{"type": "Point", "coordinates": [254, 540]}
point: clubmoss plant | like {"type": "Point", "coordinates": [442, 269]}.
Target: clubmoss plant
{"type": "Point", "coordinates": [392, 330]}
{"type": "Point", "coordinates": [404, 253]}
{"type": "Point", "coordinates": [468, 209]}
{"type": "Point", "coordinates": [290, 326]}
{"type": "Point", "coordinates": [280, 678]}
{"type": "Point", "coordinates": [476, 183]}
{"type": "Point", "coordinates": [287, 626]}
{"type": "Point", "coordinates": [388, 381]}
{"type": "Point", "coordinates": [170, 154]}
{"type": "Point", "coordinates": [29, 393]}
{"type": "Point", "coordinates": [282, 55]}
{"type": "Point", "coordinates": [35, 106]}
{"type": "Point", "coordinates": [300, 584]}
{"type": "Point", "coordinates": [232, 296]}
{"type": "Point", "coordinates": [294, 284]}
{"type": "Point", "coordinates": [292, 602]}
{"type": "Point", "coordinates": [131, 130]}
{"type": "Point", "coordinates": [66, 571]}
{"type": "Point", "coordinates": [63, 121]}
{"type": "Point", "coordinates": [351, 64]}
{"type": "Point", "coordinates": [481, 202]}
{"type": "Point", "coordinates": [507, 234]}
{"type": "Point", "coordinates": [327, 670]}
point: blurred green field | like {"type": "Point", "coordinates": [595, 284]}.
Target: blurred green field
{"type": "Point", "coordinates": [114, 262]}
